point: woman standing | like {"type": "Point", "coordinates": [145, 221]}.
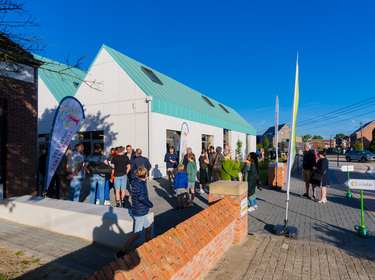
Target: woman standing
{"type": "Point", "coordinates": [203, 165]}
{"type": "Point", "coordinates": [322, 169]}
{"type": "Point", "coordinates": [251, 175]}
{"type": "Point", "coordinates": [217, 164]}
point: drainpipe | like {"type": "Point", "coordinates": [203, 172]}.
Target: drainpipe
{"type": "Point", "coordinates": [149, 100]}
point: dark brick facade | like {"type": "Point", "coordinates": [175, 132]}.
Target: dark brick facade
{"type": "Point", "coordinates": [21, 136]}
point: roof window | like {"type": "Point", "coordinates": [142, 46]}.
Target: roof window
{"type": "Point", "coordinates": [225, 109]}
{"type": "Point", "coordinates": [151, 75]}
{"type": "Point", "coordinates": [208, 101]}
{"type": "Point", "coordinates": [75, 84]}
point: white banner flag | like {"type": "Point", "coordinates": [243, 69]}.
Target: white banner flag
{"type": "Point", "coordinates": [68, 117]}
{"type": "Point", "coordinates": [183, 141]}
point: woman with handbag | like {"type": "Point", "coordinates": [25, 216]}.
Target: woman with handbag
{"type": "Point", "coordinates": [320, 177]}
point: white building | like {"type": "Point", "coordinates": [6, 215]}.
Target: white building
{"type": "Point", "coordinates": [140, 106]}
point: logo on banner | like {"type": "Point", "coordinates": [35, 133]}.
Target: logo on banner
{"type": "Point", "coordinates": [69, 116]}
{"type": "Point", "coordinates": [354, 184]}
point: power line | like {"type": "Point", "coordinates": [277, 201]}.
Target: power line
{"type": "Point", "coordinates": [338, 110]}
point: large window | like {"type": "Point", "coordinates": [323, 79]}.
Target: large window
{"type": "Point", "coordinates": [173, 139]}
{"type": "Point", "coordinates": [89, 138]}
{"type": "Point", "coordinates": [226, 137]}
{"type": "Point", "coordinates": [207, 141]}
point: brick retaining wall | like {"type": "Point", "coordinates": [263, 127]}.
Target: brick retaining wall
{"type": "Point", "coordinates": [187, 251]}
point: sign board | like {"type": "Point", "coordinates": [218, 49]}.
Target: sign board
{"type": "Point", "coordinates": [346, 168]}
{"type": "Point", "coordinates": [358, 184]}
{"type": "Point", "coordinates": [243, 207]}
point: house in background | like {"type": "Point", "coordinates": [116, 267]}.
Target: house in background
{"type": "Point", "coordinates": [18, 122]}
{"type": "Point", "coordinates": [140, 106]}
{"type": "Point", "coordinates": [320, 144]}
{"type": "Point", "coordinates": [366, 132]}
{"type": "Point", "coordinates": [283, 137]}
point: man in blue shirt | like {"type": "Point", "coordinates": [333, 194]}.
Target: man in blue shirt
{"type": "Point", "coordinates": [96, 180]}
{"type": "Point", "coordinates": [171, 160]}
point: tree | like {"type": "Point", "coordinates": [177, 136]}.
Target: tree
{"type": "Point", "coordinates": [259, 146]}
{"type": "Point", "coordinates": [266, 144]}
{"type": "Point", "coordinates": [339, 135]}
{"type": "Point", "coordinates": [306, 138]}
{"type": "Point", "coordinates": [357, 146]}
{"type": "Point", "coordinates": [18, 42]}
{"type": "Point", "coordinates": [239, 150]}
{"type": "Point", "coordinates": [282, 147]}
{"type": "Point", "coordinates": [317, 137]}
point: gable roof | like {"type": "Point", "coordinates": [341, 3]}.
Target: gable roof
{"type": "Point", "coordinates": [363, 126]}
{"type": "Point", "coordinates": [59, 78]}
{"type": "Point", "coordinates": [175, 99]}
{"type": "Point", "coordinates": [270, 132]}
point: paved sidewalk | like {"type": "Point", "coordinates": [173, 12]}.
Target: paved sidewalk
{"type": "Point", "coordinates": [273, 257]}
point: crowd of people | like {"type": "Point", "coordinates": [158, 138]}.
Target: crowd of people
{"type": "Point", "coordinates": [118, 170]}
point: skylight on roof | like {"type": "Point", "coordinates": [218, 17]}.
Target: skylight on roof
{"type": "Point", "coordinates": [151, 75]}
{"type": "Point", "coordinates": [208, 101]}
{"type": "Point", "coordinates": [225, 109]}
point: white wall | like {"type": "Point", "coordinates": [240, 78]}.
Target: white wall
{"type": "Point", "coordinates": [119, 107]}
{"type": "Point", "coordinates": [46, 108]}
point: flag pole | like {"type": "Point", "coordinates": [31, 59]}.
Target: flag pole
{"type": "Point", "coordinates": [285, 229]}
{"type": "Point", "coordinates": [277, 134]}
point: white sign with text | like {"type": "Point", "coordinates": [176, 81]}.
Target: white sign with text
{"type": "Point", "coordinates": [346, 168]}
{"type": "Point", "coordinates": [243, 207]}
{"type": "Point", "coordinates": [358, 184]}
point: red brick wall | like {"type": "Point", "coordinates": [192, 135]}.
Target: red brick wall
{"type": "Point", "coordinates": [281, 176]}
{"type": "Point", "coordinates": [241, 224]}
{"type": "Point", "coordinates": [187, 251]}
{"type": "Point", "coordinates": [21, 142]}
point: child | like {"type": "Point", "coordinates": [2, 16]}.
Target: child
{"type": "Point", "coordinates": [180, 186]}
{"type": "Point", "coordinates": [191, 172]}
{"type": "Point", "coordinates": [140, 207]}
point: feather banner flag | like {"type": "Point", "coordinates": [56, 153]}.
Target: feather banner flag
{"type": "Point", "coordinates": [292, 141]}
{"type": "Point", "coordinates": [68, 118]}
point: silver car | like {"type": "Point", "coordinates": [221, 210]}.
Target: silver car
{"type": "Point", "coordinates": [360, 155]}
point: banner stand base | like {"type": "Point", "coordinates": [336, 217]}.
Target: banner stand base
{"type": "Point", "coordinates": [289, 231]}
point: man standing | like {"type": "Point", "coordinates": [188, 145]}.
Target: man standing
{"type": "Point", "coordinates": [130, 152]}
{"type": "Point", "coordinates": [309, 162]}
{"type": "Point", "coordinates": [62, 173]}
{"type": "Point", "coordinates": [186, 161]}
{"type": "Point", "coordinates": [211, 158]}
{"type": "Point", "coordinates": [171, 160]}
{"type": "Point", "coordinates": [121, 168]}
{"type": "Point", "coordinates": [138, 162]}
{"type": "Point", "coordinates": [75, 171]}
{"type": "Point", "coordinates": [96, 180]}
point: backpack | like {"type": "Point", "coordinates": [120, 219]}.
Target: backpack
{"type": "Point", "coordinates": [100, 167]}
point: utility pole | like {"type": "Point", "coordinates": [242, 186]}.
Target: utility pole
{"type": "Point", "coordinates": [362, 137]}
{"type": "Point", "coordinates": [330, 141]}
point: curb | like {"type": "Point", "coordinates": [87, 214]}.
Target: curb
{"type": "Point", "coordinates": [370, 171]}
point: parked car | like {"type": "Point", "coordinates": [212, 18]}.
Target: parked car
{"type": "Point", "coordinates": [360, 155]}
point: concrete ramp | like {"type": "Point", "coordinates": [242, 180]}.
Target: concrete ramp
{"type": "Point", "coordinates": [102, 224]}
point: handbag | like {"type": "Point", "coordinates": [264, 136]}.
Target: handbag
{"type": "Point", "coordinates": [100, 167]}
{"type": "Point", "coordinates": [316, 178]}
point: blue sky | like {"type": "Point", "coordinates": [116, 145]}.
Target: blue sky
{"type": "Point", "coordinates": [241, 53]}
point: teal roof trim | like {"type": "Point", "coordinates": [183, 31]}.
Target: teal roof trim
{"type": "Point", "coordinates": [175, 99]}
{"type": "Point", "coordinates": [60, 85]}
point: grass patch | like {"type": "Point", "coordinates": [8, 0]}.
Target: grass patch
{"type": "Point", "coordinates": [20, 253]}
{"type": "Point", "coordinates": [24, 262]}
{"type": "Point", "coordinates": [35, 261]}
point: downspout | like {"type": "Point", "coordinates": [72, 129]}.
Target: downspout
{"type": "Point", "coordinates": [149, 100]}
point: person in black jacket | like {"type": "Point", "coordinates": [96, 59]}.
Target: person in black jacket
{"type": "Point", "coordinates": [140, 208]}
{"type": "Point", "coordinates": [322, 169]}
{"type": "Point", "coordinates": [138, 162]}
{"type": "Point", "coordinates": [307, 168]}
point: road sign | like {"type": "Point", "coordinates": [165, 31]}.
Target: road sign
{"type": "Point", "coordinates": [359, 184]}
{"type": "Point", "coordinates": [347, 168]}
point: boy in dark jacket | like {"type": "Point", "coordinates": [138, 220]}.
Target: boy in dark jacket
{"type": "Point", "coordinates": [140, 207]}
{"type": "Point", "coordinates": [180, 186]}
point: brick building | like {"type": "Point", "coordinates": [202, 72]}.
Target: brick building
{"type": "Point", "coordinates": [18, 121]}
{"type": "Point", "coordinates": [319, 144]}
{"type": "Point", "coordinates": [283, 137]}
{"type": "Point", "coordinates": [367, 135]}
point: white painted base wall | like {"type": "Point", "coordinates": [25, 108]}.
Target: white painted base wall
{"type": "Point", "coordinates": [102, 224]}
